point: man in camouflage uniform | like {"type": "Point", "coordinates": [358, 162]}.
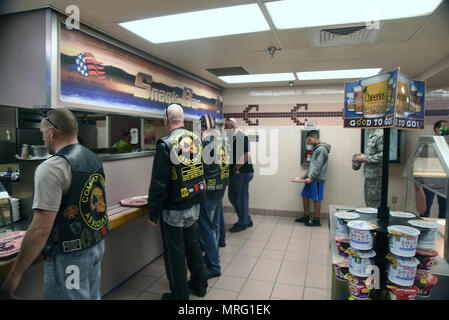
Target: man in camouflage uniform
{"type": "Point", "coordinates": [373, 167]}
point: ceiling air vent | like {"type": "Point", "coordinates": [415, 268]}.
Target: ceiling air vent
{"type": "Point", "coordinates": [230, 71]}
{"type": "Point", "coordinates": [345, 35]}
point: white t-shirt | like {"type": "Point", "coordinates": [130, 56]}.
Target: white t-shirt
{"type": "Point", "coordinates": [52, 179]}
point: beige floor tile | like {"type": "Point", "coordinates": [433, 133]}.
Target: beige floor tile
{"type": "Point", "coordinates": [318, 269]}
{"type": "Point", "coordinates": [250, 251]}
{"type": "Point", "coordinates": [226, 257]}
{"type": "Point", "coordinates": [161, 286]}
{"type": "Point", "coordinates": [318, 281]}
{"type": "Point", "coordinates": [287, 292]}
{"type": "Point", "coordinates": [148, 296]}
{"type": "Point", "coordinates": [140, 281]}
{"type": "Point", "coordinates": [276, 245]}
{"type": "Point", "coordinates": [122, 293]}
{"type": "Point", "coordinates": [316, 294]}
{"type": "Point", "coordinates": [236, 241]}
{"type": "Point", "coordinates": [260, 236]}
{"type": "Point", "coordinates": [300, 235]}
{"type": "Point", "coordinates": [272, 254]}
{"type": "Point", "coordinates": [237, 271]}
{"type": "Point", "coordinates": [251, 296]}
{"type": "Point", "coordinates": [296, 256]}
{"type": "Point", "coordinates": [258, 287]}
{"type": "Point", "coordinates": [255, 243]}
{"type": "Point", "coordinates": [280, 238]}
{"type": "Point", "coordinates": [317, 258]}
{"type": "Point", "coordinates": [153, 270]}
{"type": "Point", "coordinates": [242, 260]}
{"type": "Point", "coordinates": [159, 260]}
{"type": "Point", "coordinates": [230, 249]}
{"type": "Point", "coordinates": [220, 294]}
{"type": "Point", "coordinates": [266, 274]}
{"type": "Point", "coordinates": [230, 283]}
{"type": "Point", "coordinates": [292, 278]}
{"type": "Point", "coordinates": [298, 247]}
{"type": "Point", "coordinates": [268, 263]}
{"type": "Point", "coordinates": [294, 267]}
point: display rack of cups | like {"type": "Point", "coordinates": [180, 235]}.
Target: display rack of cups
{"type": "Point", "coordinates": [411, 254]}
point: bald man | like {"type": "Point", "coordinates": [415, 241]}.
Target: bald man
{"type": "Point", "coordinates": [241, 173]}
{"type": "Point", "coordinates": [176, 191]}
{"type": "Point", "coordinates": [69, 221]}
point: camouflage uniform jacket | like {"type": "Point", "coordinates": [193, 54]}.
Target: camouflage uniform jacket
{"type": "Point", "coordinates": [374, 155]}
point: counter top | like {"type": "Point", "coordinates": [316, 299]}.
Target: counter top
{"type": "Point", "coordinates": [118, 216]}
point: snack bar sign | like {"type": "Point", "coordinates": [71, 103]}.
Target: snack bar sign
{"type": "Point", "coordinates": [389, 99]}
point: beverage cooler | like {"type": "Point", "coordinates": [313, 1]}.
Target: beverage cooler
{"type": "Point", "coordinates": [306, 149]}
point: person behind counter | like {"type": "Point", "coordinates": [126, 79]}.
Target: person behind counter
{"type": "Point", "coordinates": [72, 244]}
{"type": "Point", "coordinates": [177, 188]}
{"type": "Point", "coordinates": [124, 145]}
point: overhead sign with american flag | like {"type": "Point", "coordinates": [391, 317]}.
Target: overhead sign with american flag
{"type": "Point", "coordinates": [100, 76]}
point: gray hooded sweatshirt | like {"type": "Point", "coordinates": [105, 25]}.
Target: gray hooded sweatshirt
{"type": "Point", "coordinates": [318, 163]}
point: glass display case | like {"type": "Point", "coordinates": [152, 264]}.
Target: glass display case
{"type": "Point", "coordinates": [428, 167]}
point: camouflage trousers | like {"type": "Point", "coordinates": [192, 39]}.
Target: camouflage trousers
{"type": "Point", "coordinates": [373, 189]}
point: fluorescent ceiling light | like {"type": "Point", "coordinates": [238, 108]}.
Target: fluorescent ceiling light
{"type": "Point", "coordinates": [338, 74]}
{"type": "Point", "coordinates": [289, 14]}
{"type": "Point", "coordinates": [200, 24]}
{"type": "Point", "coordinates": [268, 77]}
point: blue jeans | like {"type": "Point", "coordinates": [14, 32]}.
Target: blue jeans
{"type": "Point", "coordinates": [441, 204]}
{"type": "Point", "coordinates": [238, 194]}
{"type": "Point", "coordinates": [222, 237]}
{"type": "Point", "coordinates": [74, 275]}
{"type": "Point", "coordinates": [209, 233]}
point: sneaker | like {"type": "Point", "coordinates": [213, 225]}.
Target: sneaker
{"type": "Point", "coordinates": [313, 223]}
{"type": "Point", "coordinates": [303, 219]}
{"type": "Point", "coordinates": [199, 291]}
{"type": "Point", "coordinates": [169, 296]}
{"type": "Point", "coordinates": [222, 244]}
{"type": "Point", "coordinates": [250, 224]}
{"type": "Point", "coordinates": [212, 275]}
{"type": "Point", "coordinates": [237, 228]}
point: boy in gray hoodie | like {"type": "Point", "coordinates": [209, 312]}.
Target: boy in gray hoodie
{"type": "Point", "coordinates": [314, 179]}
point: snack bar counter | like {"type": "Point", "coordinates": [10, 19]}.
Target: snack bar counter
{"type": "Point", "coordinates": [130, 246]}
{"type": "Point", "coordinates": [415, 264]}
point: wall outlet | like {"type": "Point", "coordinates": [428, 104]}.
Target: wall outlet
{"type": "Point", "coordinates": [394, 199]}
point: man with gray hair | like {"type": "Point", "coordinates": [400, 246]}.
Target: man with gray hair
{"type": "Point", "coordinates": [69, 220]}
{"type": "Point", "coordinates": [177, 188]}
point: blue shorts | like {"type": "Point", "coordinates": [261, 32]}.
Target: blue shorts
{"type": "Point", "coordinates": [313, 190]}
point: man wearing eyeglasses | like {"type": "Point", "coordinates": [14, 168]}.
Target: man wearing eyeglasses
{"type": "Point", "coordinates": [69, 218]}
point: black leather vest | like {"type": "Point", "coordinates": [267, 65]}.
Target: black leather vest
{"type": "Point", "coordinates": [187, 177]}
{"type": "Point", "coordinates": [82, 220]}
{"type": "Point", "coordinates": [216, 163]}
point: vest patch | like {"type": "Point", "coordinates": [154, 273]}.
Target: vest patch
{"type": "Point", "coordinates": [92, 203]}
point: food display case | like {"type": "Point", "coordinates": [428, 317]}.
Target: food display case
{"type": "Point", "coordinates": [428, 167]}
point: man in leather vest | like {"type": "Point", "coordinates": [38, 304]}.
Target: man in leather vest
{"type": "Point", "coordinates": [69, 220]}
{"type": "Point", "coordinates": [216, 172]}
{"type": "Point", "coordinates": [176, 191]}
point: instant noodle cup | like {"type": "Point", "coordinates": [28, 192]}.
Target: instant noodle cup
{"type": "Point", "coordinates": [342, 245]}
{"type": "Point", "coordinates": [360, 262]}
{"type": "Point", "coordinates": [341, 268]}
{"type": "Point", "coordinates": [425, 281]}
{"type": "Point", "coordinates": [428, 233]}
{"type": "Point", "coordinates": [361, 234]}
{"type": "Point", "coordinates": [402, 270]}
{"type": "Point", "coordinates": [403, 240]}
{"type": "Point", "coordinates": [359, 287]}
{"type": "Point", "coordinates": [403, 293]}
{"type": "Point", "coordinates": [426, 258]}
{"type": "Point", "coordinates": [342, 221]}
{"type": "Point", "coordinates": [375, 90]}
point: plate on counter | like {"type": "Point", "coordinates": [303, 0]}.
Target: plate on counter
{"type": "Point", "coordinates": [135, 201]}
{"type": "Point", "coordinates": [10, 243]}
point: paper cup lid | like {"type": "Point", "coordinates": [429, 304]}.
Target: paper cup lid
{"type": "Point", "coordinates": [403, 231]}
{"type": "Point", "coordinates": [402, 214]}
{"type": "Point", "coordinates": [366, 210]}
{"type": "Point", "coordinates": [362, 225]}
{"type": "Point", "coordinates": [424, 224]}
{"type": "Point", "coordinates": [402, 261]}
{"type": "Point", "coordinates": [347, 215]}
{"type": "Point", "coordinates": [364, 254]}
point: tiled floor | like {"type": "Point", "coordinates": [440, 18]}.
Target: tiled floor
{"type": "Point", "coordinates": [277, 258]}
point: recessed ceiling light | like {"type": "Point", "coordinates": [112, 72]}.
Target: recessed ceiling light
{"type": "Point", "coordinates": [289, 14]}
{"type": "Point", "coordinates": [200, 24]}
{"type": "Point", "coordinates": [338, 74]}
{"type": "Point", "coordinates": [267, 77]}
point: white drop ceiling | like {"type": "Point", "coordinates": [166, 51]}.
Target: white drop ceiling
{"type": "Point", "coordinates": [417, 44]}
